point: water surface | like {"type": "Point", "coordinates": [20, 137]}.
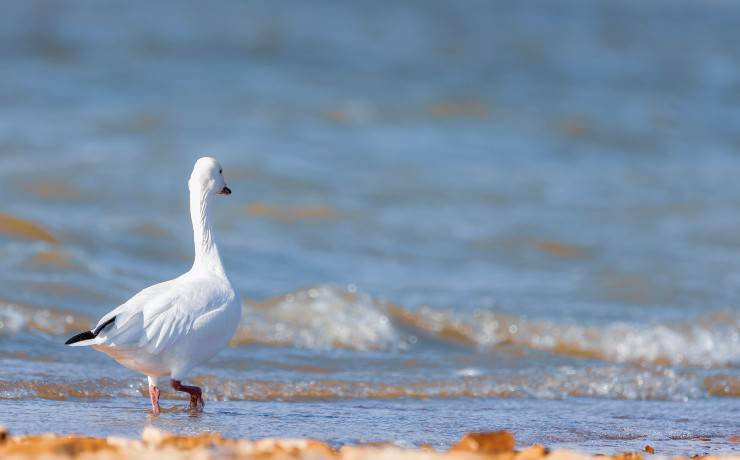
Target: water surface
{"type": "Point", "coordinates": [446, 217]}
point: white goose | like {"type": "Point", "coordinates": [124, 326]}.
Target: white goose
{"type": "Point", "coordinates": [169, 328]}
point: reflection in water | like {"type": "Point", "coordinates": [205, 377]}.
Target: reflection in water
{"type": "Point", "coordinates": [16, 227]}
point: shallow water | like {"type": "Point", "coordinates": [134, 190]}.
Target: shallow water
{"type": "Point", "coordinates": [584, 424]}
{"type": "Point", "coordinates": [445, 217]}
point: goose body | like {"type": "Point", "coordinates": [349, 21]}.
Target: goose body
{"type": "Point", "coordinates": [168, 328]}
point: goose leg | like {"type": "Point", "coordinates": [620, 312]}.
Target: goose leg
{"type": "Point", "coordinates": [154, 398]}
{"type": "Point", "coordinates": [196, 395]}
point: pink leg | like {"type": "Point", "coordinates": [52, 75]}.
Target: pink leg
{"type": "Point", "coordinates": [154, 397]}
{"type": "Point", "coordinates": [196, 395]}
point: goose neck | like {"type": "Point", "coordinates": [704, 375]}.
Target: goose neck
{"type": "Point", "coordinates": [206, 251]}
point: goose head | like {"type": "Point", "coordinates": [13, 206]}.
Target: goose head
{"type": "Point", "coordinates": [208, 176]}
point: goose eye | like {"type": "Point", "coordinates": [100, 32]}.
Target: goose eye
{"type": "Point", "coordinates": [220, 171]}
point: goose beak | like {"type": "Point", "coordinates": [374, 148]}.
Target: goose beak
{"type": "Point", "coordinates": [225, 191]}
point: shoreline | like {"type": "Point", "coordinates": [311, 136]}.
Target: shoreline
{"type": "Point", "coordinates": [498, 445]}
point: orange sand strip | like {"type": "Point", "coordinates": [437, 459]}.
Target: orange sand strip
{"type": "Point", "coordinates": [157, 444]}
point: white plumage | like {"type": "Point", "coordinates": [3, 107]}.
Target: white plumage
{"type": "Point", "coordinates": [167, 329]}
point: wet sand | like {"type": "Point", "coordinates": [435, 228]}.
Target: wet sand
{"type": "Point", "coordinates": [493, 445]}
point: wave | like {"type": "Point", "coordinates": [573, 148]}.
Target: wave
{"type": "Point", "coordinates": [327, 317]}
{"type": "Point", "coordinates": [16, 317]}
{"type": "Point", "coordinates": [16, 227]}
{"type": "Point", "coordinates": [710, 341]}
{"type": "Point", "coordinates": [611, 382]}
{"type": "Point", "coordinates": [320, 317]}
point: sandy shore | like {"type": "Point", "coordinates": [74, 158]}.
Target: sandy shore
{"type": "Point", "coordinates": [158, 444]}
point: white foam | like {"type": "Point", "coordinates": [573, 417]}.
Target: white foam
{"type": "Point", "coordinates": [710, 341]}
{"type": "Point", "coordinates": [321, 317]}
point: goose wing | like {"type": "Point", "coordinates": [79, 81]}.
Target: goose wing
{"type": "Point", "coordinates": [156, 317]}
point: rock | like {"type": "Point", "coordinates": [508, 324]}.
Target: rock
{"type": "Point", "coordinates": [564, 454]}
{"type": "Point", "coordinates": [52, 446]}
{"type": "Point", "coordinates": [534, 452]}
{"type": "Point", "coordinates": [193, 442]}
{"type": "Point", "coordinates": [397, 453]}
{"type": "Point", "coordinates": [487, 443]}
{"type": "Point", "coordinates": [152, 437]}
{"type": "Point", "coordinates": [628, 456]}
{"type": "Point", "coordinates": [212, 446]}
{"type": "Point", "coordinates": [292, 448]}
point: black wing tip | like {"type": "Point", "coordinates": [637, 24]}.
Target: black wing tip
{"type": "Point", "coordinates": [103, 326]}
{"type": "Point", "coordinates": [87, 335]}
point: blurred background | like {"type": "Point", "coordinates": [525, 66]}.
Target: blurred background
{"type": "Point", "coordinates": [431, 200]}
